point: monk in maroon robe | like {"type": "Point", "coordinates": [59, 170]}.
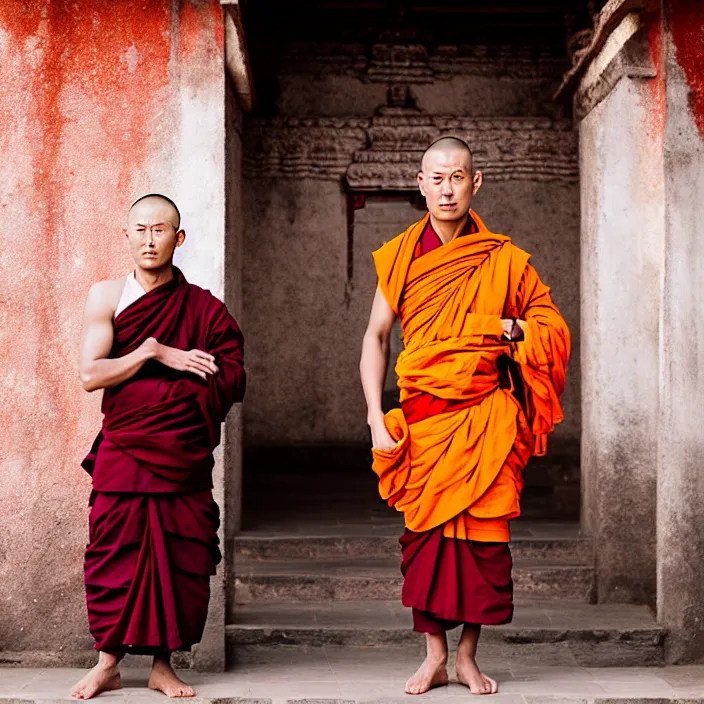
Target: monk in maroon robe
{"type": "Point", "coordinates": [170, 358]}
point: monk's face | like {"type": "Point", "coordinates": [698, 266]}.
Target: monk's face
{"type": "Point", "coordinates": [153, 233]}
{"type": "Point", "coordinates": [447, 182]}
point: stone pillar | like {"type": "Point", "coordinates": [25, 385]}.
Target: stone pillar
{"type": "Point", "coordinates": [680, 535]}
{"type": "Point", "coordinates": [621, 261]}
{"type": "Point", "coordinates": [239, 97]}
{"type": "Point", "coordinates": [233, 295]}
{"type": "Point", "coordinates": [233, 298]}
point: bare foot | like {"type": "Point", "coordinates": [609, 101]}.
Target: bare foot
{"type": "Point", "coordinates": [102, 678]}
{"type": "Point", "coordinates": [164, 679]}
{"type": "Point", "coordinates": [468, 674]}
{"type": "Point", "coordinates": [432, 673]}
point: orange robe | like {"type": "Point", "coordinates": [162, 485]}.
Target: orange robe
{"type": "Point", "coordinates": [466, 429]}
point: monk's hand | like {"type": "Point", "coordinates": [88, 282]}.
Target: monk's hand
{"type": "Point", "coordinates": [513, 330]}
{"type": "Point", "coordinates": [193, 361]}
{"type": "Point", "coordinates": [381, 439]}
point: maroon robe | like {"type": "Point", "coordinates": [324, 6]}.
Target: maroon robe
{"type": "Point", "coordinates": [448, 581]}
{"type": "Point", "coordinates": [153, 522]}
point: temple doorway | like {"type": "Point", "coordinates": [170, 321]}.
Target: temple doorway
{"type": "Point", "coordinates": [348, 97]}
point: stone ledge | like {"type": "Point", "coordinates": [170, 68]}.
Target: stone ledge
{"type": "Point", "coordinates": [544, 631]}
{"type": "Point", "coordinates": [609, 19]}
{"type": "Point", "coordinates": [632, 61]}
{"type": "Point", "coordinates": [253, 547]}
{"type": "Point", "coordinates": [84, 658]}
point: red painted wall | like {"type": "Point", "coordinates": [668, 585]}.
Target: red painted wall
{"type": "Point", "coordinates": [92, 95]}
{"type": "Point", "coordinates": [686, 25]}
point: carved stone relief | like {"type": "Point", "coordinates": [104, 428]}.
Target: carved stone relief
{"type": "Point", "coordinates": [413, 63]}
{"type": "Point", "coordinates": [383, 153]}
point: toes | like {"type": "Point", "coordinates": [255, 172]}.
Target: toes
{"type": "Point", "coordinates": [184, 691]}
{"type": "Point", "coordinates": [412, 688]}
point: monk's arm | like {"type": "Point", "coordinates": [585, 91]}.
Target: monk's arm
{"type": "Point", "coordinates": [543, 354]}
{"type": "Point", "coordinates": [544, 327]}
{"type": "Point", "coordinates": [373, 365]}
{"type": "Point", "coordinates": [96, 371]}
{"type": "Point", "coordinates": [226, 343]}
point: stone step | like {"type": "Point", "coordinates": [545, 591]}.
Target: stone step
{"type": "Point", "coordinates": [354, 579]}
{"type": "Point", "coordinates": [543, 632]}
{"type": "Point", "coordinates": [566, 550]}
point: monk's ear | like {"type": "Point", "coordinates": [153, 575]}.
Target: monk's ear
{"type": "Point", "coordinates": [420, 182]}
{"type": "Point", "coordinates": [124, 232]}
{"type": "Point", "coordinates": [477, 182]}
{"type": "Point", "coordinates": [180, 237]}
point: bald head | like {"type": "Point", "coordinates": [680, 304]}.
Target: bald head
{"type": "Point", "coordinates": [447, 145]}
{"type": "Point", "coordinates": [155, 206]}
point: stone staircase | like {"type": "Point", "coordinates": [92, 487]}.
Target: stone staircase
{"type": "Point", "coordinates": [342, 588]}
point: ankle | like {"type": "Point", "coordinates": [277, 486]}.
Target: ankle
{"type": "Point", "coordinates": [436, 657]}
{"type": "Point", "coordinates": [466, 658]}
{"type": "Point", "coordinates": [436, 648]}
{"type": "Point", "coordinates": [162, 663]}
{"type": "Point", "coordinates": [106, 661]}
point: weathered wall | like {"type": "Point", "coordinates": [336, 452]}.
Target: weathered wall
{"type": "Point", "coordinates": [234, 226]}
{"type": "Point", "coordinates": [305, 306]}
{"type": "Point", "coordinates": [680, 530]}
{"type": "Point", "coordinates": [100, 102]}
{"type": "Point", "coordinates": [622, 259]}
{"type": "Point", "coordinates": [342, 80]}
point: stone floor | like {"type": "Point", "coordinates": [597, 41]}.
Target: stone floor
{"type": "Point", "coordinates": [333, 675]}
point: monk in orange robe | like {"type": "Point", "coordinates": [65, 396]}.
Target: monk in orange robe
{"type": "Point", "coordinates": [481, 374]}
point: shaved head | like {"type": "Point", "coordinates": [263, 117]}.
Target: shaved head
{"type": "Point", "coordinates": [157, 202]}
{"type": "Point", "coordinates": [447, 144]}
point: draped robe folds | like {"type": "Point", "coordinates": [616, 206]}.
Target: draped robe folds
{"type": "Point", "coordinates": [153, 524]}
{"type": "Point", "coordinates": [474, 408]}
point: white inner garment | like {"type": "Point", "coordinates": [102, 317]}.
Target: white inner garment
{"type": "Point", "coordinates": [130, 293]}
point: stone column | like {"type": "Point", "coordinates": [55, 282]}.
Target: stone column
{"type": "Point", "coordinates": [233, 298]}
{"type": "Point", "coordinates": [680, 534]}
{"type": "Point", "coordinates": [621, 255]}
{"type": "Point", "coordinates": [239, 97]}
{"type": "Point", "coordinates": [200, 176]}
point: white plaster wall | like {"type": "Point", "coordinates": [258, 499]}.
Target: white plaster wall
{"type": "Point", "coordinates": [622, 255]}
